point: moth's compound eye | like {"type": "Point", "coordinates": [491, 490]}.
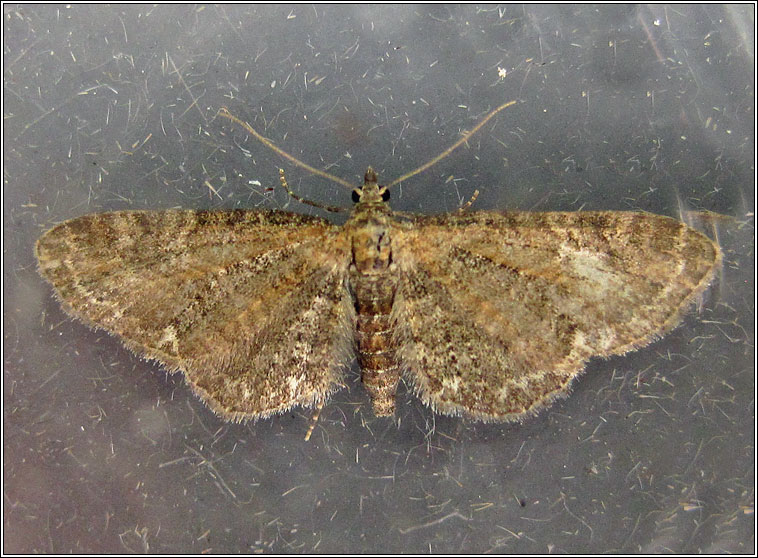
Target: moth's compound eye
{"type": "Point", "coordinates": [356, 196]}
{"type": "Point", "coordinates": [386, 195]}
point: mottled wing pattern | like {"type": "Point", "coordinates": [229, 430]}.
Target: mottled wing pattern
{"type": "Point", "coordinates": [255, 313]}
{"type": "Point", "coordinates": [496, 313]}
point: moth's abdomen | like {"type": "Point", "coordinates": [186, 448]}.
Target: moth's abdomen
{"type": "Point", "coordinates": [374, 295]}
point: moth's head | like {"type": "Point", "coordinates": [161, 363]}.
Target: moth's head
{"type": "Point", "coordinates": [371, 191]}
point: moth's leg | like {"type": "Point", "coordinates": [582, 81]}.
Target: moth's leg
{"type": "Point", "coordinates": [314, 420]}
{"type": "Point", "coordinates": [330, 208]}
{"type": "Point", "coordinates": [464, 207]}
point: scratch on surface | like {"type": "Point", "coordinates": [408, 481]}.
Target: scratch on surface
{"type": "Point", "coordinates": [435, 522]}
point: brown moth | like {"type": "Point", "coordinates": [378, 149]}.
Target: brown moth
{"type": "Point", "coordinates": [486, 314]}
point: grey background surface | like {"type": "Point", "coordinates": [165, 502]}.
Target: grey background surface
{"type": "Point", "coordinates": [619, 107]}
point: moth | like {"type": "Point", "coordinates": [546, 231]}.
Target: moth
{"type": "Point", "coordinates": [485, 314]}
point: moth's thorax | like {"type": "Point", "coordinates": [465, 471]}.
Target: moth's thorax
{"type": "Point", "coordinates": [372, 247]}
{"type": "Point", "coordinates": [373, 286]}
{"type": "Point", "coordinates": [369, 226]}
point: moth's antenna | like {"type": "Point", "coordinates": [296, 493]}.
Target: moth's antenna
{"type": "Point", "coordinates": [223, 111]}
{"type": "Point", "coordinates": [464, 138]}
